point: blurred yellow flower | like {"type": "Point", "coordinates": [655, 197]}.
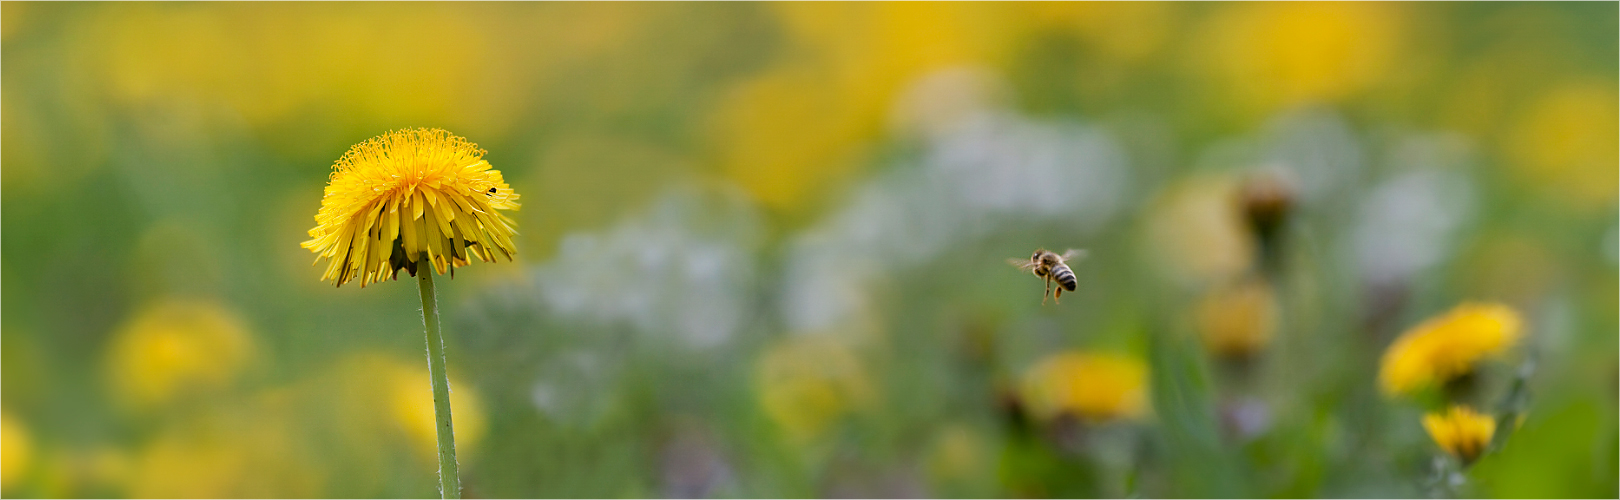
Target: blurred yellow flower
{"type": "Point", "coordinates": [1097, 387]}
{"type": "Point", "coordinates": [1514, 267]}
{"type": "Point", "coordinates": [796, 129]}
{"type": "Point", "coordinates": [957, 453]}
{"type": "Point", "coordinates": [105, 467]}
{"type": "Point", "coordinates": [1197, 232]}
{"type": "Point", "coordinates": [77, 472]}
{"type": "Point", "coordinates": [411, 403]}
{"type": "Point", "coordinates": [360, 64]}
{"type": "Point", "coordinates": [16, 451]}
{"type": "Point", "coordinates": [176, 346]}
{"type": "Point", "coordinates": [786, 135]}
{"type": "Point", "coordinates": [1239, 320]}
{"type": "Point", "coordinates": [1284, 53]}
{"type": "Point", "coordinates": [405, 193]}
{"type": "Point", "coordinates": [1460, 431]}
{"type": "Point", "coordinates": [809, 381]}
{"type": "Point", "coordinates": [14, 14]}
{"type": "Point", "coordinates": [1569, 144]}
{"type": "Point", "coordinates": [1447, 346]}
{"type": "Point", "coordinates": [225, 458]}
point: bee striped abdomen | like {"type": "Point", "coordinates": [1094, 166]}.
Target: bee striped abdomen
{"type": "Point", "coordinates": [1064, 276]}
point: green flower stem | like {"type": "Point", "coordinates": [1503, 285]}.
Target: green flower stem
{"type": "Point", "coordinates": [449, 475]}
{"type": "Point", "coordinates": [1515, 403]}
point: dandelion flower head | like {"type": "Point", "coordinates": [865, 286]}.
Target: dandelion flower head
{"type": "Point", "coordinates": [1460, 431]}
{"type": "Point", "coordinates": [806, 384]}
{"type": "Point", "coordinates": [1238, 321]}
{"type": "Point", "coordinates": [16, 450]}
{"type": "Point", "coordinates": [1447, 346]}
{"type": "Point", "coordinates": [1094, 387]}
{"type": "Point", "coordinates": [406, 193]}
{"type": "Point", "coordinates": [177, 347]}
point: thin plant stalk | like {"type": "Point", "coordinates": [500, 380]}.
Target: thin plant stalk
{"type": "Point", "coordinates": [449, 474]}
{"type": "Point", "coordinates": [1515, 402]}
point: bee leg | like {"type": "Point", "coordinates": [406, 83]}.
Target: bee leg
{"type": "Point", "coordinates": [1057, 295]}
{"type": "Point", "coordinates": [1047, 292]}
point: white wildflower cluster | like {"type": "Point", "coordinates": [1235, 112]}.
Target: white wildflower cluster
{"type": "Point", "coordinates": [684, 269]}
{"type": "Point", "coordinates": [983, 168]}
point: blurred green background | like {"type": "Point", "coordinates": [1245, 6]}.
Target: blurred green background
{"type": "Point", "coordinates": [763, 246]}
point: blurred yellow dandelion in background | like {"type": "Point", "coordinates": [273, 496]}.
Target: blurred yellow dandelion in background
{"type": "Point", "coordinates": [177, 346]}
{"type": "Point", "coordinates": [180, 466]}
{"type": "Point", "coordinates": [807, 383]}
{"type": "Point", "coordinates": [957, 452]}
{"type": "Point", "coordinates": [1568, 144]}
{"type": "Point", "coordinates": [75, 472]}
{"type": "Point", "coordinates": [1271, 55]}
{"type": "Point", "coordinates": [1448, 346]}
{"type": "Point", "coordinates": [397, 196]}
{"type": "Point", "coordinates": [1096, 387]}
{"type": "Point", "coordinates": [412, 409]}
{"type": "Point", "coordinates": [794, 131]}
{"type": "Point", "coordinates": [788, 136]}
{"type": "Point", "coordinates": [1238, 321]}
{"type": "Point", "coordinates": [1460, 431]}
{"type": "Point", "coordinates": [248, 455]}
{"type": "Point", "coordinates": [1196, 234]}
{"type": "Point", "coordinates": [16, 451]}
{"type": "Point", "coordinates": [358, 65]}
{"type": "Point", "coordinates": [104, 467]}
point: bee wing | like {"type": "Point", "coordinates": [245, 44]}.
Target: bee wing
{"type": "Point", "coordinates": [1024, 264]}
{"type": "Point", "coordinates": [1074, 253]}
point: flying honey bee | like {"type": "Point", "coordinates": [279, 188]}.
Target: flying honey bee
{"type": "Point", "coordinates": [1050, 267]}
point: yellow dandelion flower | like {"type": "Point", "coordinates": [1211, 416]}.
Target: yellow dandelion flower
{"type": "Point", "coordinates": [1448, 346]}
{"type": "Point", "coordinates": [1460, 431]}
{"type": "Point", "coordinates": [16, 451]}
{"type": "Point", "coordinates": [1271, 55]}
{"type": "Point", "coordinates": [409, 193]}
{"type": "Point", "coordinates": [1094, 387]}
{"type": "Point", "coordinates": [1238, 321]}
{"type": "Point", "coordinates": [249, 455]}
{"type": "Point", "coordinates": [958, 452]}
{"type": "Point", "coordinates": [1566, 144]}
{"type": "Point", "coordinates": [177, 347]}
{"type": "Point", "coordinates": [1197, 235]}
{"type": "Point", "coordinates": [806, 383]}
{"type": "Point", "coordinates": [412, 409]}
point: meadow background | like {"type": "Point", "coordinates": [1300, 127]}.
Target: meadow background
{"type": "Point", "coordinates": [762, 246]}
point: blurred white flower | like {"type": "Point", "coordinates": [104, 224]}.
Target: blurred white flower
{"type": "Point", "coordinates": [1431, 151]}
{"type": "Point", "coordinates": [940, 101]}
{"type": "Point", "coordinates": [572, 388]}
{"type": "Point", "coordinates": [683, 269]}
{"type": "Point", "coordinates": [1409, 223]}
{"type": "Point", "coordinates": [1004, 164]}
{"type": "Point", "coordinates": [1555, 327]}
{"type": "Point", "coordinates": [1319, 146]}
{"type": "Point", "coordinates": [982, 168]}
